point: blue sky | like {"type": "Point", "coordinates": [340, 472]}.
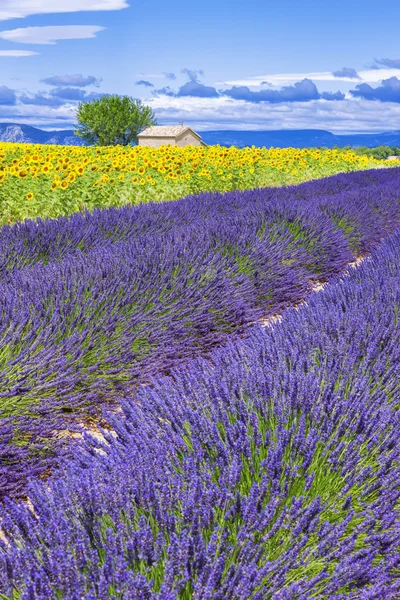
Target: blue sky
{"type": "Point", "coordinates": [218, 64]}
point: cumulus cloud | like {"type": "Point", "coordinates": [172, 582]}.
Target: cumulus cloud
{"type": "Point", "coordinates": [7, 96]}
{"type": "Point", "coordinates": [226, 113]}
{"type": "Point", "coordinates": [193, 88]}
{"type": "Point", "coordinates": [72, 80]}
{"type": "Point", "coordinates": [192, 75]}
{"type": "Point", "coordinates": [74, 94]}
{"type": "Point", "coordinates": [144, 83]}
{"type": "Point", "coordinates": [301, 91]}
{"type": "Point", "coordinates": [373, 67]}
{"type": "Point", "coordinates": [17, 53]}
{"type": "Point", "coordinates": [332, 96]}
{"type": "Point", "coordinates": [389, 91]}
{"type": "Point", "coordinates": [223, 112]}
{"type": "Point", "coordinates": [165, 91]}
{"type": "Point", "coordinates": [50, 34]}
{"type": "Point", "coordinates": [391, 63]}
{"type": "Point", "coordinates": [93, 96]}
{"type": "Point", "coordinates": [40, 100]}
{"type": "Point", "coordinates": [347, 72]}
{"type": "Point", "coordinates": [12, 9]}
{"type": "Point", "coordinates": [59, 97]}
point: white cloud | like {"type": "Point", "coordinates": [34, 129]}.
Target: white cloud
{"type": "Point", "coordinates": [62, 117]}
{"type": "Point", "coordinates": [377, 75]}
{"type": "Point", "coordinates": [367, 76]}
{"type": "Point", "coordinates": [347, 116]}
{"type": "Point", "coordinates": [50, 34]}
{"type": "Point", "coordinates": [17, 53]}
{"type": "Point", "coordinates": [13, 9]}
{"type": "Point", "coordinates": [344, 116]}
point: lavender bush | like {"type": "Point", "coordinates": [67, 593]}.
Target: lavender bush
{"type": "Point", "coordinates": [269, 470]}
{"type": "Point", "coordinates": [84, 320]}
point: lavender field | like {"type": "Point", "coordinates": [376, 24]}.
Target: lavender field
{"type": "Point", "coordinates": [239, 461]}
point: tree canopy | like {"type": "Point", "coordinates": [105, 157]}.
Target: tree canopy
{"type": "Point", "coordinates": [113, 120]}
{"type": "Point", "coordinates": [379, 152]}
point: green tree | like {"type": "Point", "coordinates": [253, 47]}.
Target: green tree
{"type": "Point", "coordinates": [113, 120]}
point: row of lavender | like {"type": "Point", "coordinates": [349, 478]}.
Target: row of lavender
{"type": "Point", "coordinates": [269, 471]}
{"type": "Point", "coordinates": [87, 324]}
{"type": "Point", "coordinates": [40, 241]}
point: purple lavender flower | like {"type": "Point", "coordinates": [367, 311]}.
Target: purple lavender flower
{"type": "Point", "coordinates": [268, 469]}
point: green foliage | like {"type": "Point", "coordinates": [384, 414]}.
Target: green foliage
{"type": "Point", "coordinates": [380, 152]}
{"type": "Point", "coordinates": [113, 120]}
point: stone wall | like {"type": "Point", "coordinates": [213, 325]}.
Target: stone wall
{"type": "Point", "coordinates": [154, 142]}
{"type": "Point", "coordinates": [187, 139]}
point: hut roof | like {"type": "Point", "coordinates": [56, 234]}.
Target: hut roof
{"type": "Point", "coordinates": [161, 131]}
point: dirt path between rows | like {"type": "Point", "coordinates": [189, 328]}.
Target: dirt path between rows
{"type": "Point", "coordinates": [316, 287]}
{"type": "Point", "coordinates": [265, 322]}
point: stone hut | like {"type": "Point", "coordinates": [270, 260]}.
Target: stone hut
{"type": "Point", "coordinates": [393, 158]}
{"type": "Point", "coordinates": [177, 135]}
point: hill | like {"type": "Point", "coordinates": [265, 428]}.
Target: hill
{"type": "Point", "coordinates": [301, 138]}
{"type": "Point", "coordinates": [13, 132]}
{"type": "Point", "coordinates": [283, 138]}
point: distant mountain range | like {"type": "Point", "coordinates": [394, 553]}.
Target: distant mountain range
{"type": "Point", "coordinates": [283, 138]}
{"type": "Point", "coordinates": [12, 132]}
{"type": "Point", "coordinates": [300, 138]}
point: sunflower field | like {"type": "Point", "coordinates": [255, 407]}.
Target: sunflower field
{"type": "Point", "coordinates": [52, 181]}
